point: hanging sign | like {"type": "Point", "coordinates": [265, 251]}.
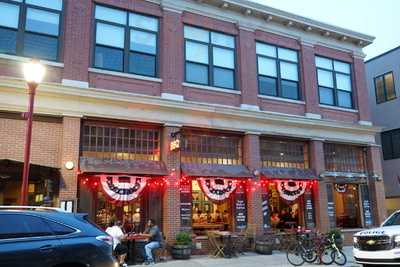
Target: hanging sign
{"type": "Point", "coordinates": [291, 190]}
{"type": "Point", "coordinates": [331, 206]}
{"type": "Point", "coordinates": [240, 209]}
{"type": "Point", "coordinates": [309, 209]}
{"type": "Point", "coordinates": [366, 205]}
{"type": "Point", "coordinates": [122, 188]}
{"type": "Point", "coordinates": [217, 189]}
{"type": "Point", "coordinates": [186, 205]}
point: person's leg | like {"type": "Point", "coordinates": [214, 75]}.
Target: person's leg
{"type": "Point", "coordinates": [149, 247]}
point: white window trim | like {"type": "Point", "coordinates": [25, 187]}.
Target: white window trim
{"type": "Point", "coordinates": [27, 59]}
{"type": "Point", "coordinates": [339, 108]}
{"type": "Point", "coordinates": [212, 88]}
{"type": "Point", "coordinates": [125, 75]}
{"type": "Point", "coordinates": [282, 99]}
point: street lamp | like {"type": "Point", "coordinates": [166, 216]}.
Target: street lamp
{"type": "Point", "coordinates": [33, 73]}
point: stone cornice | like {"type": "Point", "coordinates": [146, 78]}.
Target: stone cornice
{"type": "Point", "coordinates": [57, 99]}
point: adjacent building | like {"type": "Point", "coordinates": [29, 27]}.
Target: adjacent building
{"type": "Point", "coordinates": [200, 114]}
{"type": "Point", "coordinates": [383, 79]}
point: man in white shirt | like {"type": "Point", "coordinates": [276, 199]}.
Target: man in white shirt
{"type": "Point", "coordinates": [120, 250]}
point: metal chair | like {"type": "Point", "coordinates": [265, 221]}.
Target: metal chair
{"type": "Point", "coordinates": [216, 247]}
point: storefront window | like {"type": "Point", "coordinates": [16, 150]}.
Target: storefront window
{"type": "Point", "coordinates": [347, 206]}
{"type": "Point", "coordinates": [284, 154]}
{"type": "Point", "coordinates": [208, 215]}
{"type": "Point", "coordinates": [344, 158]}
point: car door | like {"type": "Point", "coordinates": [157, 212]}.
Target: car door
{"type": "Point", "coordinates": [26, 240]}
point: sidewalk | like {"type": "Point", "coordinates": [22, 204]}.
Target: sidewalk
{"type": "Point", "coordinates": [248, 260]}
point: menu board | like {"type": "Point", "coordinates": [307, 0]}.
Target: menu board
{"type": "Point", "coordinates": [186, 206]}
{"type": "Point", "coordinates": [368, 221]}
{"type": "Point", "coordinates": [265, 210]}
{"type": "Point", "coordinates": [240, 209]}
{"type": "Point", "coordinates": [331, 206]}
{"type": "Point", "coordinates": [309, 210]}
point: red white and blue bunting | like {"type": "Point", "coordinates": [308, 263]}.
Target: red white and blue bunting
{"type": "Point", "coordinates": [122, 188]}
{"type": "Point", "coordinates": [217, 189]}
{"type": "Point", "coordinates": [291, 190]}
{"type": "Point", "coordinates": [341, 188]}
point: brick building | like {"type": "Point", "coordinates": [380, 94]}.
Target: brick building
{"type": "Point", "coordinates": [201, 114]}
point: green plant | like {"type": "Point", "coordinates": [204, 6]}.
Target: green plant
{"type": "Point", "coordinates": [183, 238]}
{"type": "Point", "coordinates": [336, 232]}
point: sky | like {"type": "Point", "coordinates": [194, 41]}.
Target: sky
{"type": "Point", "coordinates": [379, 18]}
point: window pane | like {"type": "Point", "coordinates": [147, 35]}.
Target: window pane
{"type": "Point", "coordinates": [344, 99]}
{"type": "Point", "coordinates": [143, 42]}
{"type": "Point", "coordinates": [17, 226]}
{"type": "Point", "coordinates": [109, 14]}
{"type": "Point", "coordinates": [341, 66]}
{"type": "Point", "coordinates": [289, 71]}
{"type": "Point", "coordinates": [196, 52]}
{"type": "Point", "coordinates": [53, 4]}
{"type": "Point", "coordinates": [387, 147]}
{"type": "Point", "coordinates": [142, 64]}
{"type": "Point", "coordinates": [290, 89]}
{"type": "Point", "coordinates": [40, 46]}
{"type": "Point", "coordinates": [223, 58]}
{"type": "Point", "coordinates": [59, 229]}
{"type": "Point", "coordinates": [343, 82]}
{"type": "Point", "coordinates": [222, 39]}
{"type": "Point", "coordinates": [9, 15]}
{"type": "Point", "coordinates": [325, 78]}
{"type": "Point", "coordinates": [379, 90]}
{"type": "Point", "coordinates": [287, 54]}
{"type": "Point", "coordinates": [266, 50]}
{"type": "Point", "coordinates": [389, 85]}
{"type": "Point", "coordinates": [323, 63]}
{"type": "Point", "coordinates": [396, 143]}
{"type": "Point", "coordinates": [143, 22]}
{"type": "Point", "coordinates": [267, 66]}
{"type": "Point", "coordinates": [224, 78]}
{"type": "Point", "coordinates": [110, 35]}
{"type": "Point", "coordinates": [42, 21]}
{"type": "Point", "coordinates": [196, 73]}
{"type": "Point", "coordinates": [326, 96]}
{"type": "Point", "coordinates": [197, 34]}
{"type": "Point", "coordinates": [8, 41]}
{"type": "Point", "coordinates": [267, 86]}
{"type": "Point", "coordinates": [108, 58]}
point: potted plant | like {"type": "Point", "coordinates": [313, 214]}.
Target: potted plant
{"type": "Point", "coordinates": [338, 236]}
{"type": "Point", "coordinates": [183, 246]}
{"type": "Point", "coordinates": [265, 244]}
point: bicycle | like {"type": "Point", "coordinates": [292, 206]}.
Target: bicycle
{"type": "Point", "coordinates": [337, 254]}
{"type": "Point", "coordinates": [302, 251]}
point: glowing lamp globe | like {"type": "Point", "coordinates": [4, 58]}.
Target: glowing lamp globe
{"type": "Point", "coordinates": [34, 72]}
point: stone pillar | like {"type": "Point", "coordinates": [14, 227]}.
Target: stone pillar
{"type": "Point", "coordinates": [309, 81]}
{"type": "Point", "coordinates": [70, 152]}
{"type": "Point", "coordinates": [361, 91]}
{"type": "Point", "coordinates": [320, 194]}
{"type": "Point", "coordinates": [172, 55]}
{"type": "Point", "coordinates": [375, 184]}
{"type": "Point", "coordinates": [171, 197]}
{"type": "Point", "coordinates": [252, 159]}
{"type": "Point", "coordinates": [247, 70]}
{"type": "Point", "coordinates": [77, 43]}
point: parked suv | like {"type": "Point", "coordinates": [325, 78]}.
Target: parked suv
{"type": "Point", "coordinates": [49, 237]}
{"type": "Point", "coordinates": [379, 246]}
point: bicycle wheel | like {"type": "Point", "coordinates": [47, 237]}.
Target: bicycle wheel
{"type": "Point", "coordinates": [294, 255]}
{"type": "Point", "coordinates": [310, 255]}
{"type": "Point", "coordinates": [338, 257]}
{"type": "Point", "coordinates": [326, 256]}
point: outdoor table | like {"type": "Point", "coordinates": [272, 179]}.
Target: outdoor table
{"type": "Point", "coordinates": [135, 244]}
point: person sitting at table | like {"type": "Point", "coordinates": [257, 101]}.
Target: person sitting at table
{"type": "Point", "coordinates": [153, 234]}
{"type": "Point", "coordinates": [120, 250]}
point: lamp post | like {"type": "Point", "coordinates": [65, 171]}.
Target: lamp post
{"type": "Point", "coordinates": [34, 73]}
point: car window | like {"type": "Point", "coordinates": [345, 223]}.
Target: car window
{"type": "Point", "coordinates": [60, 229]}
{"type": "Point", "coordinates": [393, 220]}
{"type": "Point", "coordinates": [19, 225]}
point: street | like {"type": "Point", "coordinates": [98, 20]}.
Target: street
{"type": "Point", "coordinates": [248, 260]}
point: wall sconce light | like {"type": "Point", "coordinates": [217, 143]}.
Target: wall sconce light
{"type": "Point", "coordinates": [377, 177]}
{"type": "Point", "coordinates": [69, 165]}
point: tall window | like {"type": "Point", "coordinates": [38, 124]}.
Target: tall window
{"type": "Point", "coordinates": [209, 57]}
{"type": "Point", "coordinates": [391, 144]}
{"type": "Point", "coordinates": [31, 28]}
{"type": "Point", "coordinates": [284, 154]}
{"type": "Point", "coordinates": [125, 41]}
{"type": "Point", "coordinates": [384, 88]}
{"type": "Point", "coordinates": [211, 149]}
{"type": "Point", "coordinates": [278, 71]}
{"type": "Point", "coordinates": [121, 143]}
{"type": "Point", "coordinates": [344, 158]}
{"type": "Point", "coordinates": [334, 82]}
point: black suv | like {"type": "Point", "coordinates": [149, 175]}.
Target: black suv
{"type": "Point", "coordinates": [48, 237]}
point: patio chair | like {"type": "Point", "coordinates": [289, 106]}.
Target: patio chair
{"type": "Point", "coordinates": [216, 246]}
{"type": "Point", "coordinates": [161, 253]}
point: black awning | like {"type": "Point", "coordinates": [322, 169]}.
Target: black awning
{"type": "Point", "coordinates": [12, 170]}
{"type": "Point", "coordinates": [288, 173]}
{"type": "Point", "coordinates": [215, 170]}
{"type": "Point", "coordinates": [112, 166]}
